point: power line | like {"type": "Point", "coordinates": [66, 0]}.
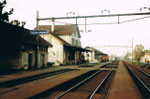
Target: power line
{"type": "Point", "coordinates": [115, 46]}
{"type": "Point", "coordinates": [109, 23]}
{"type": "Point", "coordinates": [53, 19]}
{"type": "Point", "coordinates": [19, 8]}
{"type": "Point", "coordinates": [135, 19]}
{"type": "Point", "coordinates": [95, 16]}
{"type": "Point", "coordinates": [64, 22]}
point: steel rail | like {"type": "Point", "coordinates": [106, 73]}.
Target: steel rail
{"type": "Point", "coordinates": [140, 81]}
{"type": "Point", "coordinates": [100, 85]}
{"type": "Point", "coordinates": [19, 81]}
{"type": "Point", "coordinates": [141, 71]}
{"type": "Point", "coordinates": [78, 84]}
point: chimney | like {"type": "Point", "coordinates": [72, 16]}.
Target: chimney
{"type": "Point", "coordinates": [16, 22]}
{"type": "Point", "coordinates": [53, 25]}
{"type": "Point", "coordinates": [37, 19]}
{"type": "Point", "coordinates": [23, 23]}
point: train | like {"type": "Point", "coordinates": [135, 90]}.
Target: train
{"type": "Point", "coordinates": [105, 58]}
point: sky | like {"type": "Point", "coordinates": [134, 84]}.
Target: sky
{"type": "Point", "coordinates": [100, 34]}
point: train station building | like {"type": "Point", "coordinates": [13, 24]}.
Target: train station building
{"type": "Point", "coordinates": [19, 49]}
{"type": "Point", "coordinates": [66, 44]}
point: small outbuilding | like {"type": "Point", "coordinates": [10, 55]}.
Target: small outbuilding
{"type": "Point", "coordinates": [94, 55]}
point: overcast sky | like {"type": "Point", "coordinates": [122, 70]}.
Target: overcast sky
{"type": "Point", "coordinates": [112, 34]}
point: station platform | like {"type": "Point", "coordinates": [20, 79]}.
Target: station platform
{"type": "Point", "coordinates": [33, 72]}
{"type": "Point", "coordinates": [28, 73]}
{"type": "Point", "coordinates": [36, 88]}
{"type": "Point", "coordinates": [123, 86]}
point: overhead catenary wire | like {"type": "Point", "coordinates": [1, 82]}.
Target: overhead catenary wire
{"type": "Point", "coordinates": [60, 22]}
{"type": "Point", "coordinates": [19, 8]}
{"type": "Point", "coordinates": [108, 23]}
{"type": "Point", "coordinates": [95, 16]}
{"type": "Point", "coordinates": [120, 22]}
{"type": "Point", "coordinates": [135, 19]}
{"type": "Point", "coordinates": [53, 19]}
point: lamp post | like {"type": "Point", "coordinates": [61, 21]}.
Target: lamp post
{"type": "Point", "coordinates": [145, 8]}
{"type": "Point", "coordinates": [73, 14]}
{"type": "Point", "coordinates": [106, 10]}
{"type": "Point", "coordinates": [70, 13]}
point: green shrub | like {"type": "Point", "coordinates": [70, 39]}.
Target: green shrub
{"type": "Point", "coordinates": [142, 65]}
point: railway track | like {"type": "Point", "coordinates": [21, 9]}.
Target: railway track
{"type": "Point", "coordinates": [12, 85]}
{"type": "Point", "coordinates": [113, 64]}
{"type": "Point", "coordinates": [92, 84]}
{"type": "Point", "coordinates": [141, 78]}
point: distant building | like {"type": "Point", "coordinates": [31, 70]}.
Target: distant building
{"type": "Point", "coordinates": [146, 58]}
{"type": "Point", "coordinates": [95, 55]}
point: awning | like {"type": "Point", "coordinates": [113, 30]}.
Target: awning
{"type": "Point", "coordinates": [80, 49]}
{"type": "Point", "coordinates": [74, 48]}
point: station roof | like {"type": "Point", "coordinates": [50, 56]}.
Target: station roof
{"type": "Point", "coordinates": [65, 43]}
{"type": "Point", "coordinates": [60, 29]}
{"type": "Point", "coordinates": [13, 35]}
{"type": "Point", "coordinates": [37, 40]}
{"type": "Point", "coordinates": [97, 52]}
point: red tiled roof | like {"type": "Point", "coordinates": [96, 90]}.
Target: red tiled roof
{"type": "Point", "coordinates": [65, 43]}
{"type": "Point", "coordinates": [59, 29]}
{"type": "Point", "coordinates": [40, 41]}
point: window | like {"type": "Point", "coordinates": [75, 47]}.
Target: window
{"type": "Point", "coordinates": [73, 42]}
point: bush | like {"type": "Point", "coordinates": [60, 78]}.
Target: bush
{"type": "Point", "coordinates": [142, 65]}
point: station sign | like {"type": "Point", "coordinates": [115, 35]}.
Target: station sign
{"type": "Point", "coordinates": [38, 32]}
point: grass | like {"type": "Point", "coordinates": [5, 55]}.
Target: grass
{"type": "Point", "coordinates": [142, 65]}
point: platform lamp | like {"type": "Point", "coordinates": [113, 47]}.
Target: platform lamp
{"type": "Point", "coordinates": [145, 8]}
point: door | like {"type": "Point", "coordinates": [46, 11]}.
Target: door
{"type": "Point", "coordinates": [30, 60]}
{"type": "Point", "coordinates": [42, 59]}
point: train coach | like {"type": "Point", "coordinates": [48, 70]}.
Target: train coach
{"type": "Point", "coordinates": [105, 58]}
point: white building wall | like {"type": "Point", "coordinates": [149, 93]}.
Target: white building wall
{"type": "Point", "coordinates": [56, 52]}
{"type": "Point", "coordinates": [93, 55]}
{"type": "Point", "coordinates": [47, 38]}
{"type": "Point", "coordinates": [67, 38]}
{"type": "Point", "coordinates": [90, 56]}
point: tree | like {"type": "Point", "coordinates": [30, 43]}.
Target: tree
{"type": "Point", "coordinates": [138, 52]}
{"type": "Point", "coordinates": [127, 56]}
{"type": "Point", "coordinates": [4, 16]}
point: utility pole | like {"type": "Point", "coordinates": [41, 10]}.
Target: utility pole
{"type": "Point", "coordinates": [132, 50]}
